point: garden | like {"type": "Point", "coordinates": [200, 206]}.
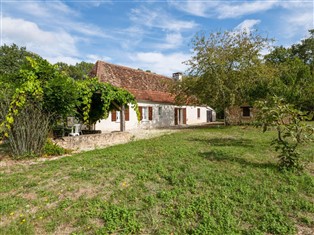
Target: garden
{"type": "Point", "coordinates": [210, 180]}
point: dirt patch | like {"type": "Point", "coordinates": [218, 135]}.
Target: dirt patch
{"type": "Point", "coordinates": [29, 196]}
{"type": "Point", "coordinates": [86, 191]}
{"type": "Point", "coordinates": [304, 230]}
{"type": "Point", "coordinates": [64, 229]}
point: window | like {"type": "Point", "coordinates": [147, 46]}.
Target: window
{"type": "Point", "coordinates": [115, 116]}
{"type": "Point", "coordinates": [198, 113]}
{"type": "Point", "coordinates": [159, 111]}
{"type": "Point", "coordinates": [118, 116]}
{"type": "Point", "coordinates": [146, 113]}
{"type": "Point", "coordinates": [246, 111]}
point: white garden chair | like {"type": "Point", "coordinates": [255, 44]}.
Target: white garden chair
{"type": "Point", "coordinates": [76, 130]}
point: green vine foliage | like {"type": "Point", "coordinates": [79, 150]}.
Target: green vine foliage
{"type": "Point", "coordinates": [97, 99]}
{"type": "Point", "coordinates": [58, 95]}
{"type": "Point", "coordinates": [31, 87]}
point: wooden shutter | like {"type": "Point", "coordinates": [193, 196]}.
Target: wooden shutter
{"type": "Point", "coordinates": [127, 113]}
{"type": "Point", "coordinates": [113, 115]}
{"type": "Point", "coordinates": [184, 116]}
{"type": "Point", "coordinates": [198, 112]}
{"type": "Point", "coordinates": [175, 116]}
{"type": "Point", "coordinates": [150, 113]}
{"type": "Point", "coordinates": [140, 108]}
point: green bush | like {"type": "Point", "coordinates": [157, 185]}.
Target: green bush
{"type": "Point", "coordinates": [52, 149]}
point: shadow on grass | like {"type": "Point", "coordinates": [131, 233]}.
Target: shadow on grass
{"type": "Point", "coordinates": [233, 142]}
{"type": "Point", "coordinates": [220, 156]}
{"type": "Point", "coordinates": [215, 125]}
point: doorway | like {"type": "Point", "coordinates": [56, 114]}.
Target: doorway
{"type": "Point", "coordinates": [179, 116]}
{"type": "Point", "coordinates": [209, 115]}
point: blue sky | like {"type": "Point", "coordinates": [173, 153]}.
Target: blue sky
{"type": "Point", "coordinates": [151, 35]}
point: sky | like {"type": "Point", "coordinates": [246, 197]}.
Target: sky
{"type": "Point", "coordinates": [150, 35]}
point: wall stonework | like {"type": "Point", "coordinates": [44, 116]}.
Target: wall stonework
{"type": "Point", "coordinates": [235, 115]}
{"type": "Point", "coordinates": [89, 142]}
{"type": "Point", "coordinates": [160, 120]}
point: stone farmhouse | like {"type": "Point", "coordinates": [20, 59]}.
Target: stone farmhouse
{"type": "Point", "coordinates": [238, 115]}
{"type": "Point", "coordinates": [156, 104]}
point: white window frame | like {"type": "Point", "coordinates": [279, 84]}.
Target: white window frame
{"type": "Point", "coordinates": [160, 111]}
{"type": "Point", "coordinates": [117, 116]}
{"type": "Point", "coordinates": [145, 114]}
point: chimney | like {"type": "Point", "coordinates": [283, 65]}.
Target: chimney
{"type": "Point", "coordinates": [177, 76]}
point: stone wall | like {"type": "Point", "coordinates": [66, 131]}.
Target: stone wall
{"type": "Point", "coordinates": [89, 142]}
{"type": "Point", "coordinates": [235, 116]}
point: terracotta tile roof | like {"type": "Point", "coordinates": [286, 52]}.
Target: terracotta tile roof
{"type": "Point", "coordinates": [143, 85]}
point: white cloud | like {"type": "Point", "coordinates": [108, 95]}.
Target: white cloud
{"type": "Point", "coordinates": [52, 10]}
{"type": "Point", "coordinates": [53, 15]}
{"type": "Point", "coordinates": [297, 22]}
{"type": "Point", "coordinates": [92, 58]}
{"type": "Point", "coordinates": [247, 25]}
{"type": "Point", "coordinates": [64, 59]}
{"type": "Point", "coordinates": [164, 30]}
{"type": "Point", "coordinates": [293, 17]}
{"type": "Point", "coordinates": [158, 18]}
{"type": "Point", "coordinates": [197, 8]}
{"type": "Point", "coordinates": [49, 28]}
{"type": "Point", "coordinates": [171, 41]}
{"type": "Point", "coordinates": [159, 63]}
{"type": "Point", "coordinates": [229, 10]}
{"type": "Point", "coordinates": [223, 9]}
{"type": "Point", "coordinates": [48, 44]}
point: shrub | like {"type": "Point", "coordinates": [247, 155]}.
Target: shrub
{"type": "Point", "coordinates": [52, 149]}
{"type": "Point", "coordinates": [29, 132]}
{"type": "Point", "coordinates": [291, 130]}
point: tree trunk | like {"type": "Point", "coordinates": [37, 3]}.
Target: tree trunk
{"type": "Point", "coordinates": [226, 116]}
{"type": "Point", "coordinates": [122, 118]}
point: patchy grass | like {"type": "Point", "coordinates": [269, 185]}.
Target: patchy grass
{"type": "Point", "coordinates": [200, 181]}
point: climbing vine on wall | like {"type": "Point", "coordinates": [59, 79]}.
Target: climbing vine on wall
{"type": "Point", "coordinates": [109, 97]}
{"type": "Point", "coordinates": [56, 93]}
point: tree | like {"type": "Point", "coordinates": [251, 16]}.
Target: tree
{"type": "Point", "coordinates": [305, 50]}
{"type": "Point", "coordinates": [79, 71]}
{"type": "Point", "coordinates": [293, 79]}
{"type": "Point", "coordinates": [37, 100]}
{"type": "Point", "coordinates": [291, 130]}
{"type": "Point", "coordinates": [225, 67]}
{"type": "Point", "coordinates": [12, 58]}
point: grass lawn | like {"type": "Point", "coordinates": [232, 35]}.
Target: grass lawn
{"type": "Point", "coordinates": [197, 181]}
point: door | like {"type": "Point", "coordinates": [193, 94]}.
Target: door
{"type": "Point", "coordinates": [209, 115]}
{"type": "Point", "coordinates": [184, 115]}
{"type": "Point", "coordinates": [179, 116]}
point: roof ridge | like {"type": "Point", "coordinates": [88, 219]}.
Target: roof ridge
{"type": "Point", "coordinates": [137, 70]}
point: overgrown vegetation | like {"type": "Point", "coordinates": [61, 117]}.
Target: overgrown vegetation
{"type": "Point", "coordinates": [221, 180]}
{"type": "Point", "coordinates": [34, 84]}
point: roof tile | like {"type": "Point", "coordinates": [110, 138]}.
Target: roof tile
{"type": "Point", "coordinates": [143, 85]}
